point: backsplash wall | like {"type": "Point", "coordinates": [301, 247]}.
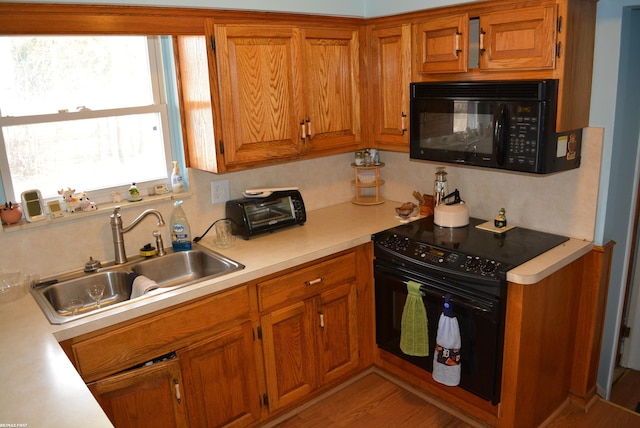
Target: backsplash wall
{"type": "Point", "coordinates": [562, 203]}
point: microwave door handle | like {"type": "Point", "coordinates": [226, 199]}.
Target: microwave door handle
{"type": "Point", "coordinates": [500, 130]}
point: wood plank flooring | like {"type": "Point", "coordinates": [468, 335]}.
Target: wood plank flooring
{"type": "Point", "coordinates": [626, 389]}
{"type": "Point", "coordinates": [373, 400]}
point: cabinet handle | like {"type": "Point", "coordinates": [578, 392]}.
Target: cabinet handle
{"type": "Point", "coordinates": [403, 123]}
{"type": "Point", "coordinates": [321, 319]}
{"type": "Point", "coordinates": [457, 50]}
{"type": "Point", "coordinates": [177, 387]}
{"type": "Point", "coordinates": [302, 130]}
{"type": "Point", "coordinates": [309, 128]}
{"type": "Point", "coordinates": [482, 33]}
{"type": "Point", "coordinates": [312, 282]}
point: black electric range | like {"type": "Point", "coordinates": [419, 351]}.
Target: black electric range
{"type": "Point", "coordinates": [469, 252]}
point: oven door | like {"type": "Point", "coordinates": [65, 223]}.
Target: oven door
{"type": "Point", "coordinates": [478, 317]}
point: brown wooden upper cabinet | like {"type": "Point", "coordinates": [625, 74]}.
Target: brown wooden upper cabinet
{"type": "Point", "coordinates": [331, 89]}
{"type": "Point", "coordinates": [443, 44]}
{"type": "Point", "coordinates": [277, 92]}
{"type": "Point", "coordinates": [514, 39]}
{"type": "Point", "coordinates": [391, 65]}
{"type": "Point", "coordinates": [260, 91]}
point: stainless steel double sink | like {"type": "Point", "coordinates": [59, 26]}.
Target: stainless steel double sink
{"type": "Point", "coordinates": [171, 271]}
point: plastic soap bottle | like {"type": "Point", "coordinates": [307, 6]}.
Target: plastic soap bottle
{"type": "Point", "coordinates": [180, 231]}
{"type": "Point", "coordinates": [177, 184]}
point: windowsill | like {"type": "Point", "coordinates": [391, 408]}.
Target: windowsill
{"type": "Point", "coordinates": [103, 208]}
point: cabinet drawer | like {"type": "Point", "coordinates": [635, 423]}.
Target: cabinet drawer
{"type": "Point", "coordinates": [307, 281]}
{"type": "Point", "coordinates": [142, 341]}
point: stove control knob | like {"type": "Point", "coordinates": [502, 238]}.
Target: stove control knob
{"type": "Point", "coordinates": [472, 263]}
{"type": "Point", "coordinates": [489, 267]}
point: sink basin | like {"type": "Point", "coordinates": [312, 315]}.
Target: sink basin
{"type": "Point", "coordinates": [183, 267]}
{"type": "Point", "coordinates": [61, 295]}
{"type": "Point", "coordinates": [68, 299]}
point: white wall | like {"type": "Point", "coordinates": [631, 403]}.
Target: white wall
{"type": "Point", "coordinates": [615, 92]}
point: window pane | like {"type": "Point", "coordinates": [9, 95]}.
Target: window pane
{"type": "Point", "coordinates": [43, 75]}
{"type": "Point", "coordinates": [86, 154]}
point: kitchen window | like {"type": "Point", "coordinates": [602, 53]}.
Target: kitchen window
{"type": "Point", "coordinates": [85, 112]}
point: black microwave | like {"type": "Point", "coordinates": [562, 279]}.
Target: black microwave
{"type": "Point", "coordinates": [498, 124]}
{"type": "Point", "coordinates": [264, 212]}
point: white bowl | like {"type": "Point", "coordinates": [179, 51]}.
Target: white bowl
{"type": "Point", "coordinates": [366, 178]}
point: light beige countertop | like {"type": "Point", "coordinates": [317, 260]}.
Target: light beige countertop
{"type": "Point", "coordinates": [41, 386]}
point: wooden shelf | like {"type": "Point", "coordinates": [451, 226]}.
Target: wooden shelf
{"type": "Point", "coordinates": [373, 181]}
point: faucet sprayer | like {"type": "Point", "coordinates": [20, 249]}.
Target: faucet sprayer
{"type": "Point", "coordinates": [118, 231]}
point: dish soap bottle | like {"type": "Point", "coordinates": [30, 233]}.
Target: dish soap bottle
{"type": "Point", "coordinates": [177, 185]}
{"type": "Point", "coordinates": [180, 231]}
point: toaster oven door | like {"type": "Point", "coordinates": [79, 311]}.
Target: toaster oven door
{"type": "Point", "coordinates": [268, 214]}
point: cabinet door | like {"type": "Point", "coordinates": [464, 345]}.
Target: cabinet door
{"type": "Point", "coordinates": [148, 397]}
{"type": "Point", "coordinates": [289, 353]}
{"type": "Point", "coordinates": [338, 332]}
{"type": "Point", "coordinates": [442, 44]}
{"type": "Point", "coordinates": [391, 78]}
{"type": "Point", "coordinates": [331, 90]}
{"type": "Point", "coordinates": [259, 87]}
{"type": "Point", "coordinates": [221, 380]}
{"type": "Point", "coordinates": [197, 106]}
{"type": "Point", "coordinates": [518, 39]}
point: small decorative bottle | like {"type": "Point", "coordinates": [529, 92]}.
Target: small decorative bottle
{"type": "Point", "coordinates": [134, 193]}
{"type": "Point", "coordinates": [177, 185]}
{"type": "Point", "coordinates": [501, 219]}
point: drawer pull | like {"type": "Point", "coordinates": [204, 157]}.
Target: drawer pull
{"type": "Point", "coordinates": [315, 281]}
{"type": "Point", "coordinates": [177, 386]}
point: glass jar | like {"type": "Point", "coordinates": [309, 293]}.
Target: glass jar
{"type": "Point", "coordinates": [367, 158]}
{"type": "Point", "coordinates": [359, 160]}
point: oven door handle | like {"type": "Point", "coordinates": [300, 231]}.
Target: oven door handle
{"type": "Point", "coordinates": [469, 302]}
{"type": "Point", "coordinates": [456, 301]}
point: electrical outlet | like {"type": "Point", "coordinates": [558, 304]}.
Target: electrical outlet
{"type": "Point", "coordinates": [219, 191]}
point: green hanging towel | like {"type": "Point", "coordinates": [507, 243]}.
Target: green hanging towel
{"type": "Point", "coordinates": [414, 332]}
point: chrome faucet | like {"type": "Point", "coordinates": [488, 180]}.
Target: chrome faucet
{"type": "Point", "coordinates": [118, 231]}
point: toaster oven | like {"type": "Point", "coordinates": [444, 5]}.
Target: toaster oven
{"type": "Point", "coordinates": [258, 214]}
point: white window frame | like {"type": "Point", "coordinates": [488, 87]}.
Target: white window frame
{"type": "Point", "coordinates": [160, 106]}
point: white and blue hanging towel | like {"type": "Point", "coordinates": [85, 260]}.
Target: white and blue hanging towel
{"type": "Point", "coordinates": [446, 358]}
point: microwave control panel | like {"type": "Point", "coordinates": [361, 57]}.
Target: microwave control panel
{"type": "Point", "coordinates": [524, 130]}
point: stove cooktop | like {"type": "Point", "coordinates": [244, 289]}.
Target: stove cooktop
{"type": "Point", "coordinates": [513, 247]}
{"type": "Point", "coordinates": [464, 245]}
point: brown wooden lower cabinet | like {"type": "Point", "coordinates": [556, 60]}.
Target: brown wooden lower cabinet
{"type": "Point", "coordinates": [238, 357]}
{"type": "Point", "coordinates": [309, 344]}
{"type": "Point", "coordinates": [221, 380]}
{"type": "Point", "coordinates": [146, 397]}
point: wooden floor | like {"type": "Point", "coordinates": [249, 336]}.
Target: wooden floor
{"type": "Point", "coordinates": [626, 389]}
{"type": "Point", "coordinates": [374, 401]}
